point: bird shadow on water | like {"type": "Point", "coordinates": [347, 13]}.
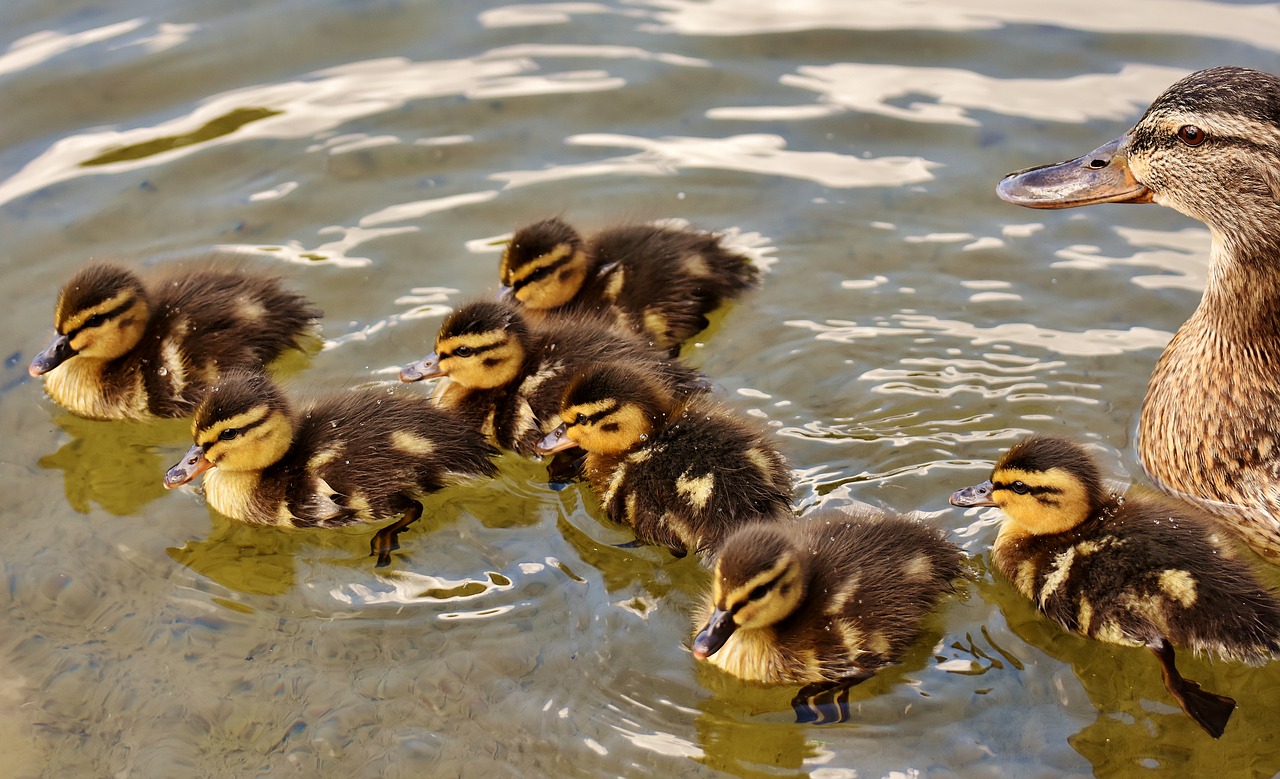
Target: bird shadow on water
{"type": "Point", "coordinates": [118, 465]}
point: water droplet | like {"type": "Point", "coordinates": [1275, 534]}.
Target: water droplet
{"type": "Point", "coordinates": [163, 371]}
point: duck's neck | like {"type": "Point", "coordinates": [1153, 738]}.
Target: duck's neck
{"type": "Point", "coordinates": [1242, 294]}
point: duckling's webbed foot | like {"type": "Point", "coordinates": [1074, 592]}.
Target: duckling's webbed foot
{"type": "Point", "coordinates": [1209, 710]}
{"type": "Point", "coordinates": [822, 703]}
{"type": "Point", "coordinates": [386, 540]}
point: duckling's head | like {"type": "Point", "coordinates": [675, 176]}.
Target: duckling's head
{"type": "Point", "coordinates": [480, 346]}
{"type": "Point", "coordinates": [544, 264]}
{"type": "Point", "coordinates": [243, 424]}
{"type": "Point", "coordinates": [759, 579]}
{"type": "Point", "coordinates": [101, 314]}
{"type": "Point", "coordinates": [1208, 147]}
{"type": "Point", "coordinates": [609, 409]}
{"type": "Point", "coordinates": [1043, 485]}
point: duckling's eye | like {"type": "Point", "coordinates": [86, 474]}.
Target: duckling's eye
{"type": "Point", "coordinates": [97, 320]}
{"type": "Point", "coordinates": [758, 592]}
{"type": "Point", "coordinates": [581, 419]}
{"type": "Point", "coordinates": [464, 351]}
{"type": "Point", "coordinates": [539, 274]}
{"type": "Point", "coordinates": [228, 434]}
{"type": "Point", "coordinates": [1020, 488]}
{"type": "Point", "coordinates": [1191, 135]}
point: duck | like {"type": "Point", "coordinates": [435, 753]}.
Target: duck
{"type": "Point", "coordinates": [681, 470]}
{"type": "Point", "coordinates": [352, 457]}
{"type": "Point", "coordinates": [1208, 147]}
{"type": "Point", "coordinates": [659, 282]}
{"type": "Point", "coordinates": [126, 349]}
{"type": "Point", "coordinates": [507, 373]}
{"type": "Point", "coordinates": [1137, 569]}
{"type": "Point", "coordinates": [824, 601]}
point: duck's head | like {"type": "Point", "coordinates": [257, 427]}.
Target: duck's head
{"type": "Point", "coordinates": [1043, 485]}
{"type": "Point", "coordinates": [1208, 147]}
{"type": "Point", "coordinates": [544, 264]}
{"type": "Point", "coordinates": [482, 345]}
{"type": "Point", "coordinates": [101, 314]}
{"type": "Point", "coordinates": [610, 409]}
{"type": "Point", "coordinates": [243, 424]}
{"type": "Point", "coordinates": [759, 578]}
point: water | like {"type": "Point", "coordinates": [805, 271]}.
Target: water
{"type": "Point", "coordinates": [910, 328]}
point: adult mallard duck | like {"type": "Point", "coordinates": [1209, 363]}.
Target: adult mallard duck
{"type": "Point", "coordinates": [1135, 570]}
{"type": "Point", "coordinates": [659, 282]}
{"type": "Point", "coordinates": [126, 350]}
{"type": "Point", "coordinates": [344, 459]}
{"type": "Point", "coordinates": [823, 601]}
{"type": "Point", "coordinates": [1208, 147]}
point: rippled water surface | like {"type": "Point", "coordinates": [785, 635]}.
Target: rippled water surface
{"type": "Point", "coordinates": [910, 328]}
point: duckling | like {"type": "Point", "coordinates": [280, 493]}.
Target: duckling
{"type": "Point", "coordinates": [126, 350]}
{"type": "Point", "coordinates": [1208, 147]}
{"type": "Point", "coordinates": [1134, 570]}
{"type": "Point", "coordinates": [343, 459]}
{"type": "Point", "coordinates": [823, 601]}
{"type": "Point", "coordinates": [507, 374]}
{"type": "Point", "coordinates": [681, 471]}
{"type": "Point", "coordinates": [659, 282]}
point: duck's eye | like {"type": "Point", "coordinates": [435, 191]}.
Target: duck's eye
{"type": "Point", "coordinates": [1191, 135]}
{"type": "Point", "coordinates": [97, 320]}
{"type": "Point", "coordinates": [539, 274]}
{"type": "Point", "coordinates": [463, 351]}
{"type": "Point", "coordinates": [581, 419]}
{"type": "Point", "coordinates": [228, 434]}
{"type": "Point", "coordinates": [758, 592]}
{"type": "Point", "coordinates": [1020, 488]}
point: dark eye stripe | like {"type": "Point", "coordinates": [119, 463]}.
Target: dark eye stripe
{"type": "Point", "coordinates": [242, 430]}
{"type": "Point", "coordinates": [107, 316]}
{"type": "Point", "coordinates": [596, 417]}
{"type": "Point", "coordinates": [542, 272]}
{"type": "Point", "coordinates": [475, 350]}
{"type": "Point", "coordinates": [1031, 488]}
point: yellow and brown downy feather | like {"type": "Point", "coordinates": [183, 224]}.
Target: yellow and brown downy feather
{"type": "Point", "coordinates": [507, 374]}
{"type": "Point", "coordinates": [347, 458]}
{"type": "Point", "coordinates": [1137, 570]}
{"type": "Point", "coordinates": [822, 601]}
{"type": "Point", "coordinates": [659, 282]}
{"type": "Point", "coordinates": [126, 350]}
{"type": "Point", "coordinates": [682, 471]}
{"type": "Point", "coordinates": [1208, 147]}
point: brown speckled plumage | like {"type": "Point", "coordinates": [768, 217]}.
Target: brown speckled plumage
{"type": "Point", "coordinates": [1208, 147]}
{"type": "Point", "coordinates": [660, 282]}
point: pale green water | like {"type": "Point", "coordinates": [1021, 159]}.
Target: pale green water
{"type": "Point", "coordinates": [910, 328]}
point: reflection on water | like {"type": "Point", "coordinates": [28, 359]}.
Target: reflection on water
{"type": "Point", "coordinates": [909, 327]}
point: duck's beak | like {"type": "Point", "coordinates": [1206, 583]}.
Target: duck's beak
{"type": "Point", "coordinates": [713, 634]}
{"type": "Point", "coordinates": [1101, 176]}
{"type": "Point", "coordinates": [426, 368]}
{"type": "Point", "coordinates": [53, 355]}
{"type": "Point", "coordinates": [506, 292]}
{"type": "Point", "coordinates": [977, 495]}
{"type": "Point", "coordinates": [555, 441]}
{"type": "Point", "coordinates": [193, 464]}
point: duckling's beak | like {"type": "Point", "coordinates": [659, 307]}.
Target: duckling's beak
{"type": "Point", "coordinates": [977, 495]}
{"type": "Point", "coordinates": [426, 368]}
{"type": "Point", "coordinates": [1101, 176]}
{"type": "Point", "coordinates": [714, 634]}
{"type": "Point", "coordinates": [53, 355]}
{"type": "Point", "coordinates": [193, 464]}
{"type": "Point", "coordinates": [506, 292]}
{"type": "Point", "coordinates": [555, 441]}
